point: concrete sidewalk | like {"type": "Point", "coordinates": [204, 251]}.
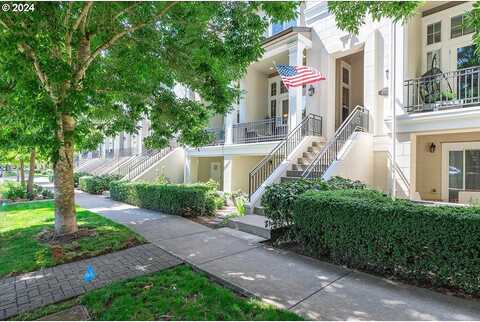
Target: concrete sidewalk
{"type": "Point", "coordinates": [314, 289]}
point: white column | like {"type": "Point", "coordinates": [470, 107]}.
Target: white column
{"type": "Point", "coordinates": [295, 58]}
{"type": "Point", "coordinates": [227, 173]}
{"type": "Point", "coordinates": [243, 101]}
{"type": "Point", "coordinates": [228, 123]}
{"type": "Point", "coordinates": [190, 169]}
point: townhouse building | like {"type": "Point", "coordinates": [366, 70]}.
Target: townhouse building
{"type": "Point", "coordinates": [399, 110]}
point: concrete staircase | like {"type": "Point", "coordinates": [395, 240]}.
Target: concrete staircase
{"type": "Point", "coordinates": [298, 166]}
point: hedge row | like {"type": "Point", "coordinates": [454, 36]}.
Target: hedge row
{"type": "Point", "coordinates": [366, 230]}
{"type": "Point", "coordinates": [278, 199]}
{"type": "Point", "coordinates": [97, 184]}
{"type": "Point", "coordinates": [77, 175]}
{"type": "Point", "coordinates": [176, 199]}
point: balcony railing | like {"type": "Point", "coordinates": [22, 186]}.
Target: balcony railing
{"type": "Point", "coordinates": [460, 88]}
{"type": "Point", "coordinates": [218, 136]}
{"type": "Point", "coordinates": [273, 129]}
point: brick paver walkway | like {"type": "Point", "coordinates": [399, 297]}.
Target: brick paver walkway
{"type": "Point", "coordinates": [32, 290]}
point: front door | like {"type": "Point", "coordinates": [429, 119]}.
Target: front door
{"type": "Point", "coordinates": [278, 99]}
{"type": "Point", "coordinates": [461, 169]}
{"type": "Point", "coordinates": [345, 92]}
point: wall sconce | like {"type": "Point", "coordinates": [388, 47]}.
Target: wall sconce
{"type": "Point", "coordinates": [311, 90]}
{"type": "Point", "coordinates": [432, 147]}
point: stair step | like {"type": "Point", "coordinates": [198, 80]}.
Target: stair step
{"type": "Point", "coordinates": [299, 167]}
{"type": "Point", "coordinates": [242, 235]}
{"type": "Point", "coordinates": [259, 210]}
{"type": "Point", "coordinates": [285, 179]}
{"type": "Point", "coordinates": [309, 155]}
{"type": "Point", "coordinates": [252, 224]}
{"type": "Point", "coordinates": [294, 173]}
{"type": "Point", "coordinates": [303, 161]}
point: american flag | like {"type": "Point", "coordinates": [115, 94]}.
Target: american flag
{"type": "Point", "coordinates": [293, 76]}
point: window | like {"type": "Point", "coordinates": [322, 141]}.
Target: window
{"type": "Point", "coordinates": [466, 57]}
{"type": "Point", "coordinates": [281, 26]}
{"type": "Point", "coordinates": [458, 27]}
{"type": "Point", "coordinates": [273, 89]}
{"type": "Point", "coordinates": [434, 33]}
{"type": "Point", "coordinates": [285, 111]}
{"type": "Point", "coordinates": [433, 59]}
{"type": "Point", "coordinates": [283, 89]}
{"type": "Point", "coordinates": [273, 108]}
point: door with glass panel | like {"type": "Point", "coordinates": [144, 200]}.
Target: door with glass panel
{"type": "Point", "coordinates": [461, 169]}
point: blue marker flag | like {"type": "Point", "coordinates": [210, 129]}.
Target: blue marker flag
{"type": "Point", "coordinates": [89, 274]}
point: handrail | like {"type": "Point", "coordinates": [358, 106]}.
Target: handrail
{"type": "Point", "coordinates": [453, 89]}
{"type": "Point", "coordinates": [270, 129]}
{"type": "Point", "coordinates": [144, 164]}
{"type": "Point", "coordinates": [310, 125]}
{"type": "Point", "coordinates": [357, 121]}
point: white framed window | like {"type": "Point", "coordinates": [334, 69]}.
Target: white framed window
{"type": "Point", "coordinates": [458, 27]}
{"type": "Point", "coordinates": [461, 169]}
{"type": "Point", "coordinates": [434, 33]}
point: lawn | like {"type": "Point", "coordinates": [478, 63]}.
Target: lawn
{"type": "Point", "coordinates": [175, 294]}
{"type": "Point", "coordinates": [21, 224]}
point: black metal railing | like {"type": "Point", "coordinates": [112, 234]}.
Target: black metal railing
{"type": "Point", "coordinates": [109, 154]}
{"type": "Point", "coordinates": [357, 121]}
{"type": "Point", "coordinates": [133, 162]}
{"type": "Point", "coordinates": [459, 88]}
{"type": "Point", "coordinates": [272, 129]}
{"type": "Point", "coordinates": [310, 125]}
{"type": "Point", "coordinates": [144, 164]}
{"type": "Point", "coordinates": [218, 135]}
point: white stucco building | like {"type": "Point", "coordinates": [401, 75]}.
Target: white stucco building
{"type": "Point", "coordinates": [425, 69]}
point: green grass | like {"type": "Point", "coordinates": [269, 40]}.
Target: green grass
{"type": "Point", "coordinates": [175, 294]}
{"type": "Point", "coordinates": [21, 223]}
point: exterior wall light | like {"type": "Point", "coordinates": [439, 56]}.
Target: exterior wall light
{"type": "Point", "coordinates": [311, 90]}
{"type": "Point", "coordinates": [432, 147]}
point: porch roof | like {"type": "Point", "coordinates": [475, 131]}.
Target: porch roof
{"type": "Point", "coordinates": [306, 31]}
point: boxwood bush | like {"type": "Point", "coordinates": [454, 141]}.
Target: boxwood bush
{"type": "Point", "coordinates": [77, 175]}
{"type": "Point", "coordinates": [176, 199]}
{"type": "Point", "coordinates": [96, 184]}
{"type": "Point", "coordinates": [278, 198]}
{"type": "Point", "coordinates": [437, 246]}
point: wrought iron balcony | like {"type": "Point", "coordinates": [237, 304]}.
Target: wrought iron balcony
{"type": "Point", "coordinates": [273, 129]}
{"type": "Point", "coordinates": [218, 136]}
{"type": "Point", "coordinates": [460, 88]}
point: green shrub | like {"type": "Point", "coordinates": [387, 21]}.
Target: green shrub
{"type": "Point", "coordinates": [96, 184]}
{"type": "Point", "coordinates": [278, 199]}
{"type": "Point", "coordinates": [364, 229]}
{"type": "Point", "coordinates": [13, 191]}
{"type": "Point", "coordinates": [176, 199]}
{"type": "Point", "coordinates": [77, 176]}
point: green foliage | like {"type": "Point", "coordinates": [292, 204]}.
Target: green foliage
{"type": "Point", "coordinates": [364, 229]}
{"type": "Point", "coordinates": [21, 250]}
{"type": "Point", "coordinates": [473, 20]}
{"type": "Point", "coordinates": [97, 184]}
{"type": "Point", "coordinates": [351, 15]}
{"type": "Point", "coordinates": [77, 175]}
{"type": "Point", "coordinates": [176, 199]}
{"type": "Point", "coordinates": [13, 191]}
{"type": "Point", "coordinates": [278, 199]}
{"type": "Point", "coordinates": [177, 294]}
{"type": "Point", "coordinates": [108, 65]}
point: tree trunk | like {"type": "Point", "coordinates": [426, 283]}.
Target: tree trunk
{"type": "Point", "coordinates": [31, 174]}
{"type": "Point", "coordinates": [22, 172]}
{"type": "Point", "coordinates": [65, 215]}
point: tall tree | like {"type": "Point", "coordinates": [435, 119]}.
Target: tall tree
{"type": "Point", "coordinates": [102, 66]}
{"type": "Point", "coordinates": [351, 15]}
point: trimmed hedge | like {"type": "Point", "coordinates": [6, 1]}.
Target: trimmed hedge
{"type": "Point", "coordinates": [77, 176]}
{"type": "Point", "coordinates": [176, 199]}
{"type": "Point", "coordinates": [364, 229]}
{"type": "Point", "coordinates": [96, 184]}
{"type": "Point", "coordinates": [278, 199]}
